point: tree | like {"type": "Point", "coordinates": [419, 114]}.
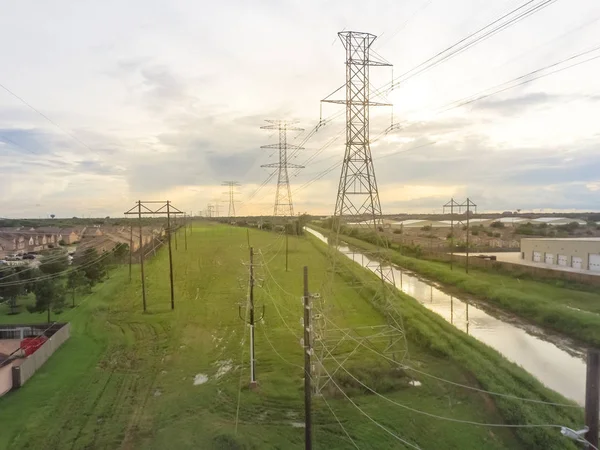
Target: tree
{"type": "Point", "coordinates": [11, 292]}
{"type": "Point", "coordinates": [75, 281]}
{"type": "Point", "coordinates": [54, 263]}
{"type": "Point", "coordinates": [92, 265]}
{"type": "Point", "coordinates": [497, 224]}
{"type": "Point", "coordinates": [121, 250]}
{"type": "Point", "coordinates": [49, 295]}
{"type": "Point", "coordinates": [52, 216]}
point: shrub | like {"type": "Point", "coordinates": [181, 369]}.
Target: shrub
{"type": "Point", "coordinates": [475, 232]}
{"type": "Point", "coordinates": [398, 231]}
{"type": "Point", "coordinates": [62, 242]}
{"type": "Point", "coordinates": [497, 235]}
{"type": "Point", "coordinates": [426, 228]}
{"type": "Point", "coordinates": [497, 224]}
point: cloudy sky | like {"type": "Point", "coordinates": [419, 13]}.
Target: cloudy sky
{"type": "Point", "coordinates": [120, 101]}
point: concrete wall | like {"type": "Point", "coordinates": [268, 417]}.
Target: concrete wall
{"type": "Point", "coordinates": [33, 362]}
{"type": "Point", "coordinates": [568, 247]}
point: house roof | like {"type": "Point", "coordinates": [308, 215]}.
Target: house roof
{"type": "Point", "coordinates": [55, 230]}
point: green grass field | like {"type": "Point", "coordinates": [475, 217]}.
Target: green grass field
{"type": "Point", "coordinates": [125, 379]}
{"type": "Point", "coordinates": [571, 311]}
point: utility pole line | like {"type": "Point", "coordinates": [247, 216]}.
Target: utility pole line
{"type": "Point", "coordinates": [592, 396]}
{"type": "Point", "coordinates": [468, 203]}
{"type": "Point", "coordinates": [252, 318]}
{"type": "Point", "coordinates": [185, 230]}
{"type": "Point", "coordinates": [170, 254]}
{"type": "Point", "coordinates": [307, 366]}
{"type": "Point", "coordinates": [165, 208]}
{"type": "Point", "coordinates": [130, 248]}
{"type": "Point", "coordinates": [283, 195]}
{"type": "Point", "coordinates": [142, 255]}
{"type": "Point", "coordinates": [252, 355]}
{"type": "Point", "coordinates": [451, 204]}
{"type": "Point", "coordinates": [231, 193]}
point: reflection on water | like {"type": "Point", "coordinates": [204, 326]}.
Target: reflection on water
{"type": "Point", "coordinates": [554, 367]}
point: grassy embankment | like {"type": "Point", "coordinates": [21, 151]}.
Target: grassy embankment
{"type": "Point", "coordinates": [573, 312]}
{"type": "Point", "coordinates": [126, 379]}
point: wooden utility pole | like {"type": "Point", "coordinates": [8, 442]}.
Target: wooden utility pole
{"type": "Point", "coordinates": [142, 255]}
{"type": "Point", "coordinates": [468, 203]}
{"type": "Point", "coordinates": [163, 208]}
{"type": "Point", "coordinates": [248, 236]}
{"type": "Point", "coordinates": [185, 230]}
{"type": "Point", "coordinates": [170, 254]}
{"type": "Point", "coordinates": [175, 226]}
{"type": "Point", "coordinates": [286, 251]}
{"type": "Point", "coordinates": [252, 357]}
{"type": "Point", "coordinates": [592, 396]}
{"type": "Point", "coordinates": [451, 204]}
{"type": "Point", "coordinates": [130, 248]}
{"type": "Point", "coordinates": [307, 371]}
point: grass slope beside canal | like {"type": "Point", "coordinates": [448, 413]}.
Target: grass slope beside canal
{"type": "Point", "coordinates": [572, 312]}
{"type": "Point", "coordinates": [170, 379]}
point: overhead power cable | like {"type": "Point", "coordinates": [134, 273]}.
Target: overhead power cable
{"type": "Point", "coordinates": [58, 274]}
{"type": "Point", "coordinates": [480, 35]}
{"type": "Point", "coordinates": [30, 106]}
{"type": "Point", "coordinates": [512, 17]}
{"type": "Point", "coordinates": [362, 411]}
{"type": "Point", "coordinates": [406, 367]}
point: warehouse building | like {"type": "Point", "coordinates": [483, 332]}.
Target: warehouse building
{"type": "Point", "coordinates": [578, 253]}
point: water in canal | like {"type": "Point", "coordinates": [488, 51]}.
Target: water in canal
{"type": "Point", "coordinates": [561, 368]}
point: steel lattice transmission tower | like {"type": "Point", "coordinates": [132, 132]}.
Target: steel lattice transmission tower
{"type": "Point", "coordinates": [357, 192]}
{"type": "Point", "coordinates": [232, 185]}
{"type": "Point", "coordinates": [283, 196]}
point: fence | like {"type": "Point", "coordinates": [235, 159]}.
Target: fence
{"type": "Point", "coordinates": [20, 332]}
{"type": "Point", "coordinates": [24, 371]}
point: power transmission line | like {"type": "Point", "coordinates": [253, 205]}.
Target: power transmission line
{"type": "Point", "coordinates": [30, 106]}
{"type": "Point", "coordinates": [231, 193]}
{"type": "Point", "coordinates": [283, 196]}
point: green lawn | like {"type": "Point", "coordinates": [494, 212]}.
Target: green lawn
{"type": "Point", "coordinates": [573, 312]}
{"type": "Point", "coordinates": [125, 379]}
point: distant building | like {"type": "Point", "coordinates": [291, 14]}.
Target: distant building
{"type": "Point", "coordinates": [578, 253]}
{"type": "Point", "coordinates": [69, 235]}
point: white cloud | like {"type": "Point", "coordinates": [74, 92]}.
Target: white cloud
{"type": "Point", "coordinates": [168, 101]}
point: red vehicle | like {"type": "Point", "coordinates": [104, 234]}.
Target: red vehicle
{"type": "Point", "coordinates": [31, 344]}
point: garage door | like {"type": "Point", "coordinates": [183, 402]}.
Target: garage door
{"type": "Point", "coordinates": [562, 260]}
{"type": "Point", "coordinates": [577, 262]}
{"type": "Point", "coordinates": [594, 262]}
{"type": "Point", "coordinates": [549, 259]}
{"type": "Point", "coordinates": [537, 256]}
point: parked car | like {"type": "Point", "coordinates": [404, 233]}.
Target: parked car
{"type": "Point", "coordinates": [28, 256]}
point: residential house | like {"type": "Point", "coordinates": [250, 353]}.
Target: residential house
{"type": "Point", "coordinates": [69, 235]}
{"type": "Point", "coordinates": [8, 245]}
{"type": "Point", "coordinates": [52, 234]}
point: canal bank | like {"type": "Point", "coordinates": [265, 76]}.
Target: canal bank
{"type": "Point", "coordinates": [560, 367]}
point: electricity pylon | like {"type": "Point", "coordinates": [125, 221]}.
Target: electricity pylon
{"type": "Point", "coordinates": [357, 191]}
{"type": "Point", "coordinates": [232, 185]}
{"type": "Point", "coordinates": [283, 196]}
